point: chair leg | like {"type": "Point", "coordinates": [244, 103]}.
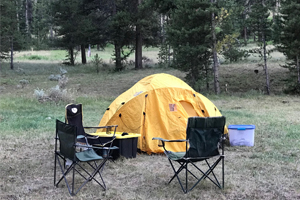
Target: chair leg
{"type": "Point", "coordinates": [213, 179]}
{"type": "Point", "coordinates": [208, 172]}
{"type": "Point", "coordinates": [92, 175]}
{"type": "Point", "coordinates": [176, 172]}
{"type": "Point", "coordinates": [211, 168]}
{"type": "Point", "coordinates": [223, 172]}
{"type": "Point", "coordinates": [99, 172]}
{"type": "Point", "coordinates": [55, 162]}
{"type": "Point", "coordinates": [73, 180]}
{"type": "Point", "coordinates": [186, 177]}
{"type": "Point", "coordinates": [64, 174]}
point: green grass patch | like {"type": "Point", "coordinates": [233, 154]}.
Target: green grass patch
{"type": "Point", "coordinates": [35, 57]}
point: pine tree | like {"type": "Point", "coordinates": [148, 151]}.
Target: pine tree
{"type": "Point", "coordinates": [260, 24]}
{"type": "Point", "coordinates": [73, 26]}
{"type": "Point", "coordinates": [191, 41]}
{"type": "Point", "coordinates": [146, 22]}
{"type": "Point", "coordinates": [164, 8]}
{"type": "Point", "coordinates": [289, 36]}
{"type": "Point", "coordinates": [41, 23]}
{"type": "Point", "coordinates": [10, 34]}
{"type": "Point", "coordinates": [122, 31]}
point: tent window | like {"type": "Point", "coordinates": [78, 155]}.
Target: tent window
{"type": "Point", "coordinates": [172, 107]}
{"type": "Point", "coordinates": [188, 107]}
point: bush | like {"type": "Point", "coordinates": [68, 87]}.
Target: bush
{"type": "Point", "coordinates": [293, 89]}
{"type": "Point", "coordinates": [39, 93]}
{"type": "Point", "coordinates": [98, 62]}
{"type": "Point", "coordinates": [36, 57]}
{"type": "Point", "coordinates": [235, 54]}
{"type": "Point", "coordinates": [56, 94]}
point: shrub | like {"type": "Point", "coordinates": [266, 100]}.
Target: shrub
{"type": "Point", "coordinates": [57, 94]}
{"type": "Point", "coordinates": [36, 57]}
{"type": "Point", "coordinates": [98, 62]}
{"type": "Point", "coordinates": [39, 93]}
{"type": "Point", "coordinates": [235, 54]}
{"type": "Point", "coordinates": [62, 82]}
{"type": "Point", "coordinates": [293, 89]}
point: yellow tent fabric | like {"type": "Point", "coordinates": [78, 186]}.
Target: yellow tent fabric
{"type": "Point", "coordinates": [158, 106]}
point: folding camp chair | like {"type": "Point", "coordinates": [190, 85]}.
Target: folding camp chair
{"type": "Point", "coordinates": [66, 136]}
{"type": "Point", "coordinates": [204, 137]}
{"type": "Point", "coordinates": [74, 117]}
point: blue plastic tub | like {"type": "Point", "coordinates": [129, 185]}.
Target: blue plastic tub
{"type": "Point", "coordinates": [241, 135]}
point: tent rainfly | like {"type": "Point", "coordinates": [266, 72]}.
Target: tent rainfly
{"type": "Point", "coordinates": [158, 106]}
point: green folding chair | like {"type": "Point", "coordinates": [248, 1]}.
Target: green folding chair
{"type": "Point", "coordinates": [204, 138]}
{"type": "Point", "coordinates": [66, 139]}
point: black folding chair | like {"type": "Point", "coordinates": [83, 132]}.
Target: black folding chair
{"type": "Point", "coordinates": [66, 139]}
{"type": "Point", "coordinates": [74, 116]}
{"type": "Point", "coordinates": [204, 138]}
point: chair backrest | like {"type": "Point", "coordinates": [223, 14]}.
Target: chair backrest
{"type": "Point", "coordinates": [74, 117]}
{"type": "Point", "coordinates": [204, 135]}
{"type": "Point", "coordinates": [66, 134]}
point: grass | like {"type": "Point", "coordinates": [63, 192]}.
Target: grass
{"type": "Point", "coordinates": [269, 170]}
{"type": "Point", "coordinates": [59, 56]}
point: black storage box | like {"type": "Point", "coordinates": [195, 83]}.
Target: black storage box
{"type": "Point", "coordinates": [127, 146]}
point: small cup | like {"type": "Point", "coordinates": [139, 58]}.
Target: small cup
{"type": "Point", "coordinates": [108, 130]}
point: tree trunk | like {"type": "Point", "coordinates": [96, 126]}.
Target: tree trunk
{"type": "Point", "coordinates": [17, 15]}
{"type": "Point", "coordinates": [51, 33]}
{"type": "Point", "coordinates": [12, 54]}
{"type": "Point", "coordinates": [139, 41]}
{"type": "Point", "coordinates": [119, 66]}
{"type": "Point", "coordinates": [298, 68]}
{"type": "Point", "coordinates": [263, 37]}
{"type": "Point", "coordinates": [277, 6]}
{"type": "Point", "coordinates": [265, 66]}
{"type": "Point", "coordinates": [138, 49]}
{"type": "Point", "coordinates": [162, 24]}
{"type": "Point", "coordinates": [206, 76]}
{"type": "Point", "coordinates": [118, 57]}
{"type": "Point", "coordinates": [245, 35]}
{"type": "Point", "coordinates": [28, 15]}
{"type": "Point", "coordinates": [83, 55]}
{"type": "Point", "coordinates": [215, 58]}
{"type": "Point", "coordinates": [72, 59]}
{"type": "Point", "coordinates": [245, 18]}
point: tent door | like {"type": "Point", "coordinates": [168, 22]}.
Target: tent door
{"type": "Point", "coordinates": [188, 107]}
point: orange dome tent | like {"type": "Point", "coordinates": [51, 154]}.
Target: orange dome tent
{"type": "Point", "coordinates": [158, 106]}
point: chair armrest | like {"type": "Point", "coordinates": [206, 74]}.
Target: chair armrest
{"type": "Point", "coordinates": [95, 147]}
{"type": "Point", "coordinates": [98, 127]}
{"type": "Point", "coordinates": [165, 140]}
{"type": "Point", "coordinates": [91, 136]}
{"type": "Point", "coordinates": [80, 136]}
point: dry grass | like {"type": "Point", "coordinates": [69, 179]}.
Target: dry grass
{"type": "Point", "coordinates": [269, 170]}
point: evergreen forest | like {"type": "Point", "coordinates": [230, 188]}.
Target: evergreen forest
{"type": "Point", "coordinates": [191, 35]}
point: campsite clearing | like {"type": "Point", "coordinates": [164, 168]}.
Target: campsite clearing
{"type": "Point", "coordinates": [269, 170]}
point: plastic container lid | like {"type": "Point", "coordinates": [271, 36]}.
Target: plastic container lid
{"type": "Point", "coordinates": [241, 127]}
